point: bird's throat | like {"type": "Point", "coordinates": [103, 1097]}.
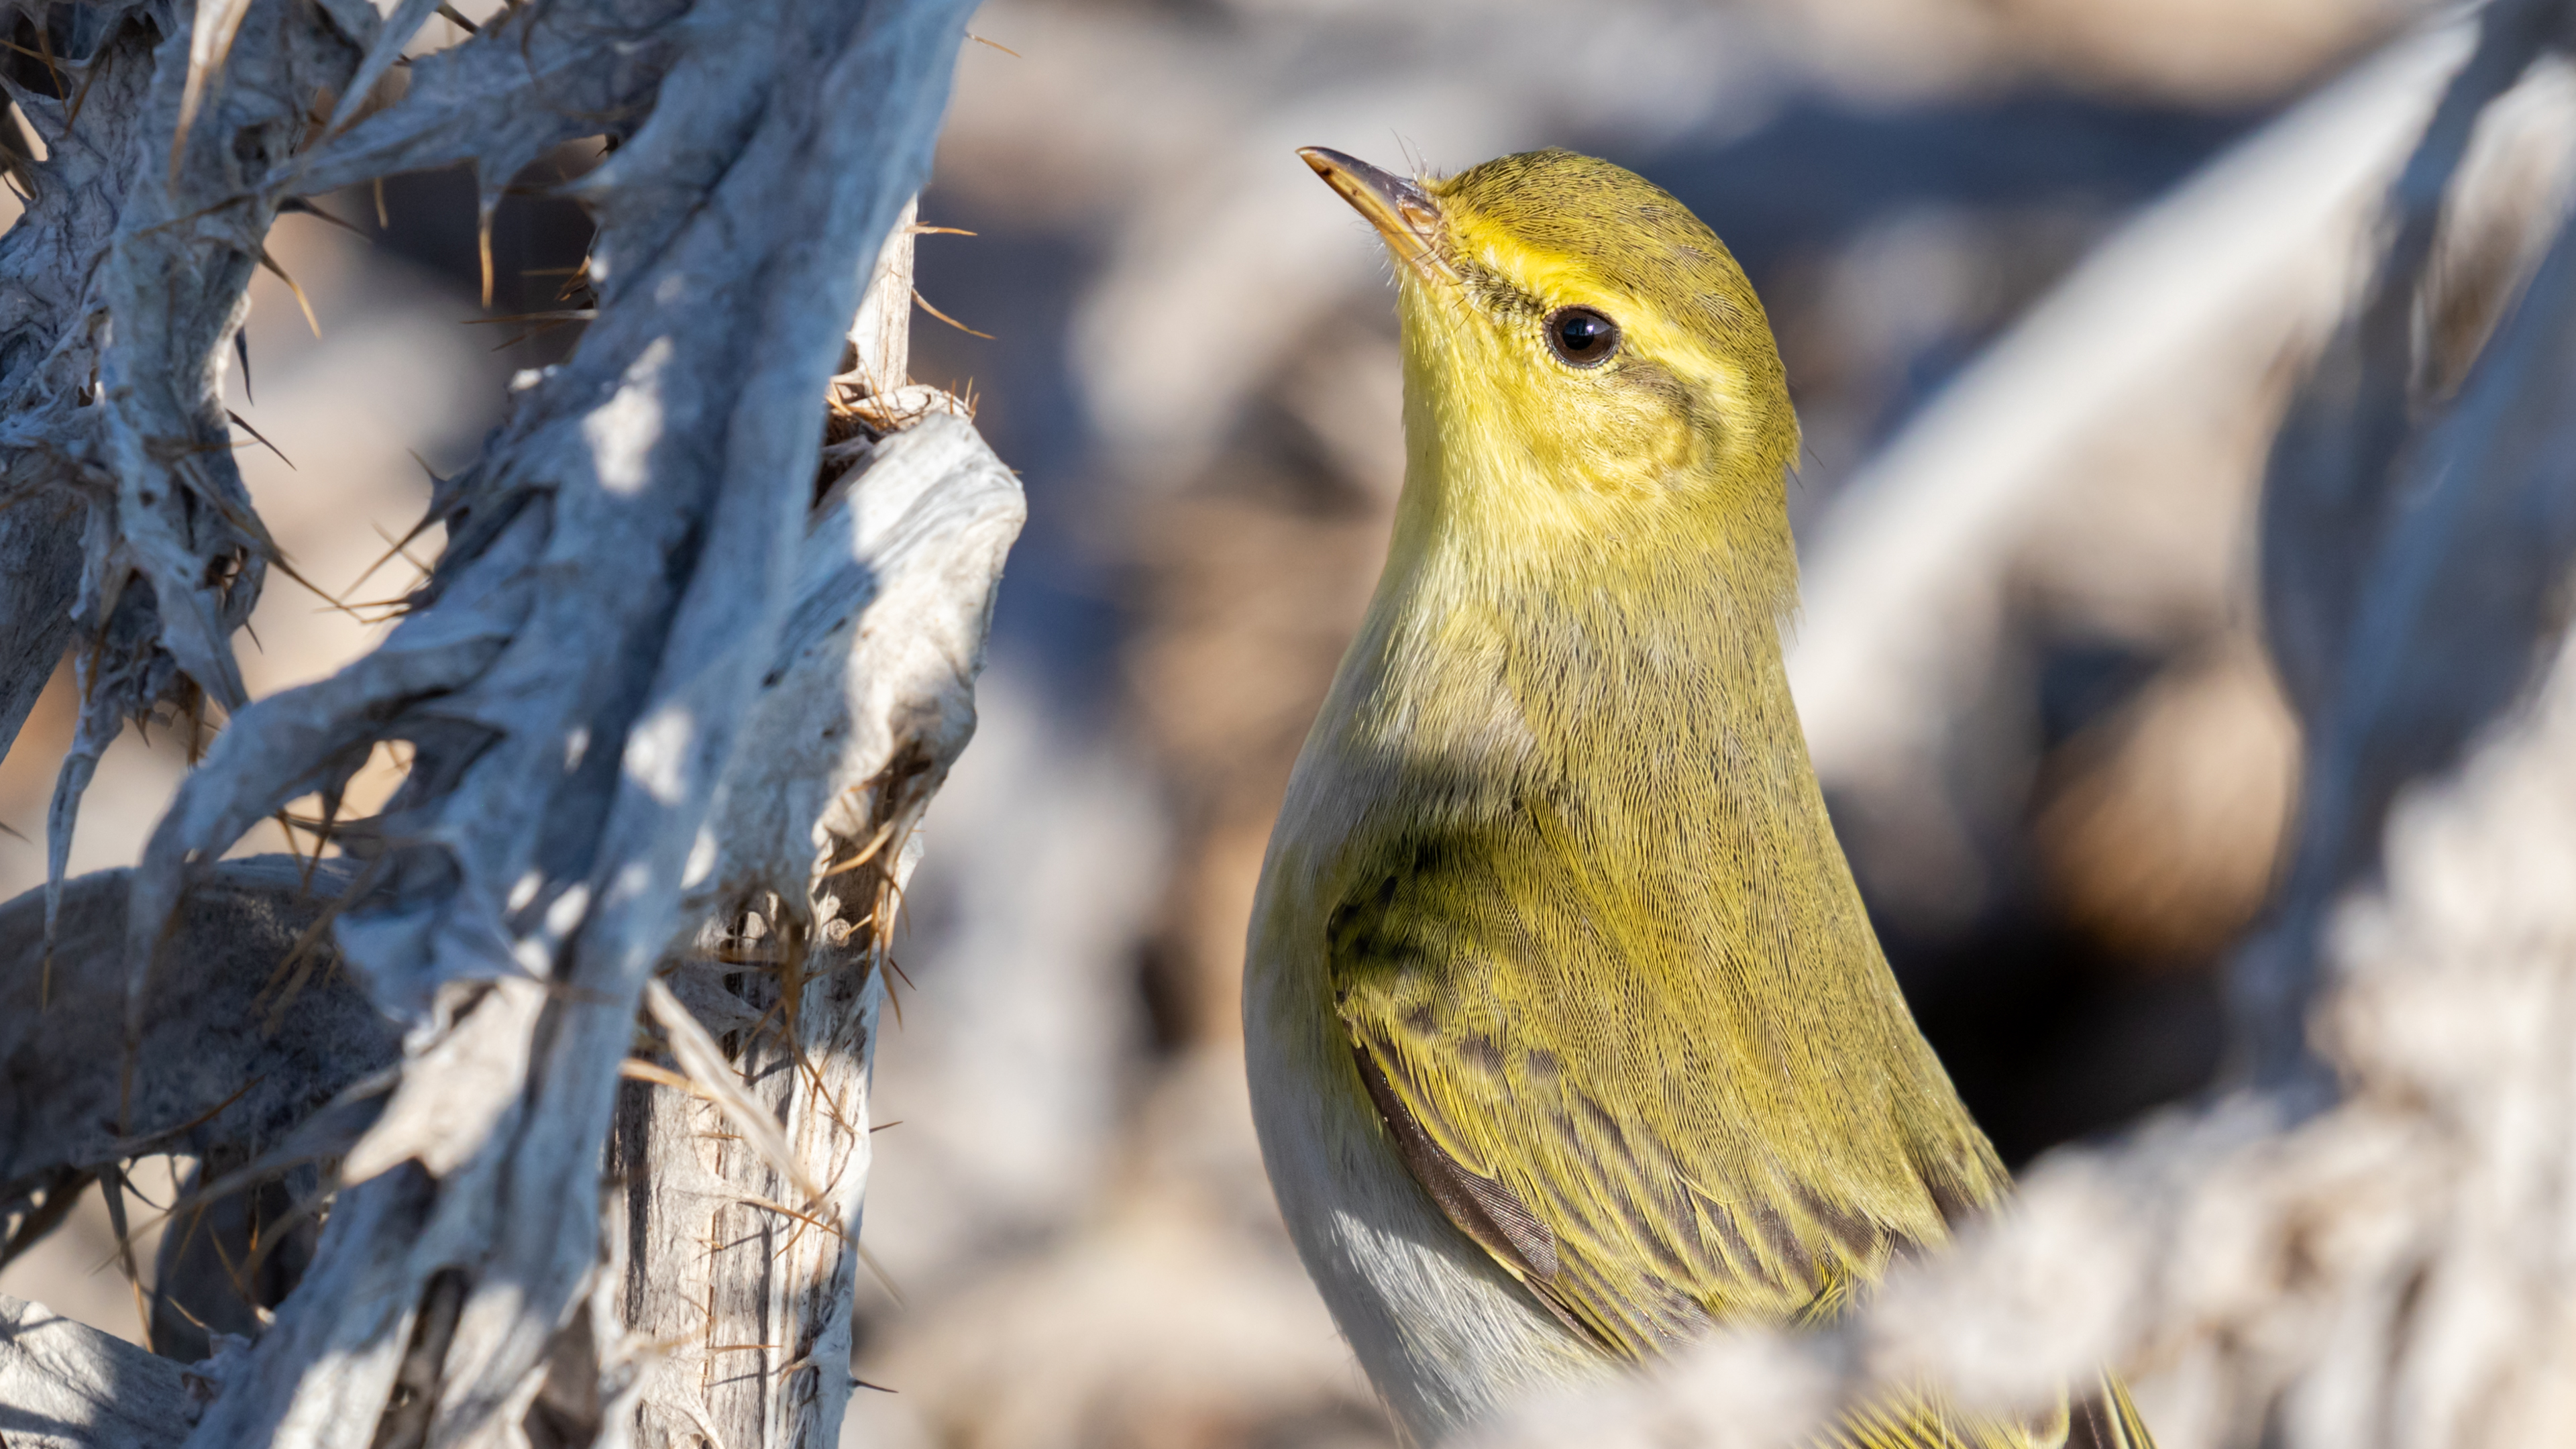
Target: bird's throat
{"type": "Point", "coordinates": [1526, 629]}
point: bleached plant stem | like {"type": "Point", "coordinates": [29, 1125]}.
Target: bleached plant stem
{"type": "Point", "coordinates": [631, 607]}
{"type": "Point", "coordinates": [739, 1260]}
{"type": "Point", "coordinates": [65, 1385]}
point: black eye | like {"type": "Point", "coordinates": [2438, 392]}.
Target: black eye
{"type": "Point", "coordinates": [1581, 336]}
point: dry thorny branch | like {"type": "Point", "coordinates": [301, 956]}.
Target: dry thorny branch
{"type": "Point", "coordinates": [654, 691]}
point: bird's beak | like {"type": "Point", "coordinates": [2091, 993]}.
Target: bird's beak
{"type": "Point", "coordinates": [1398, 207]}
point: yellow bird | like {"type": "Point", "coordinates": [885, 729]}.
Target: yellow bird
{"type": "Point", "coordinates": [1568, 1036]}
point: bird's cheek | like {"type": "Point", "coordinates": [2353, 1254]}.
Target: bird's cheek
{"type": "Point", "coordinates": [1679, 449]}
{"type": "Point", "coordinates": [1630, 454]}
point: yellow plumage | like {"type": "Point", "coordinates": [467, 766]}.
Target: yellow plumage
{"type": "Point", "coordinates": [1569, 1037]}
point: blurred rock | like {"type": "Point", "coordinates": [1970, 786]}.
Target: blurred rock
{"type": "Point", "coordinates": [2159, 829]}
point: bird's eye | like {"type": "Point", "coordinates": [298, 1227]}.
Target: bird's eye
{"type": "Point", "coordinates": [1581, 336]}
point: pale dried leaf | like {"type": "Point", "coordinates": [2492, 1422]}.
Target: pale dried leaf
{"type": "Point", "coordinates": [65, 1385]}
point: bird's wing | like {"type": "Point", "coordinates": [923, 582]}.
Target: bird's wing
{"type": "Point", "coordinates": [1626, 1173]}
{"type": "Point", "coordinates": [1642, 1176]}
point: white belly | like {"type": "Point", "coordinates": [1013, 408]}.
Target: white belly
{"type": "Point", "coordinates": [1444, 1333]}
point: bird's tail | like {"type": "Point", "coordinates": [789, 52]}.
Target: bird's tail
{"type": "Point", "coordinates": [2109, 1420]}
{"type": "Point", "coordinates": [2104, 1419]}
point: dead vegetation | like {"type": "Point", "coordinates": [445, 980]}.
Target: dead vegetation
{"type": "Point", "coordinates": [667, 712]}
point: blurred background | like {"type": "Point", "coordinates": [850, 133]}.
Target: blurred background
{"type": "Point", "coordinates": [2042, 272]}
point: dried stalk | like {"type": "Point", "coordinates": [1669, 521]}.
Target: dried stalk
{"type": "Point", "coordinates": [629, 610]}
{"type": "Point", "coordinates": [64, 1385]}
{"type": "Point", "coordinates": [740, 1248]}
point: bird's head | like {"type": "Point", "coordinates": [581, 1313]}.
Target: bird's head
{"type": "Point", "coordinates": [1585, 364]}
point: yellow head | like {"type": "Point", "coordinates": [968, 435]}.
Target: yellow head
{"type": "Point", "coordinates": [1586, 369]}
